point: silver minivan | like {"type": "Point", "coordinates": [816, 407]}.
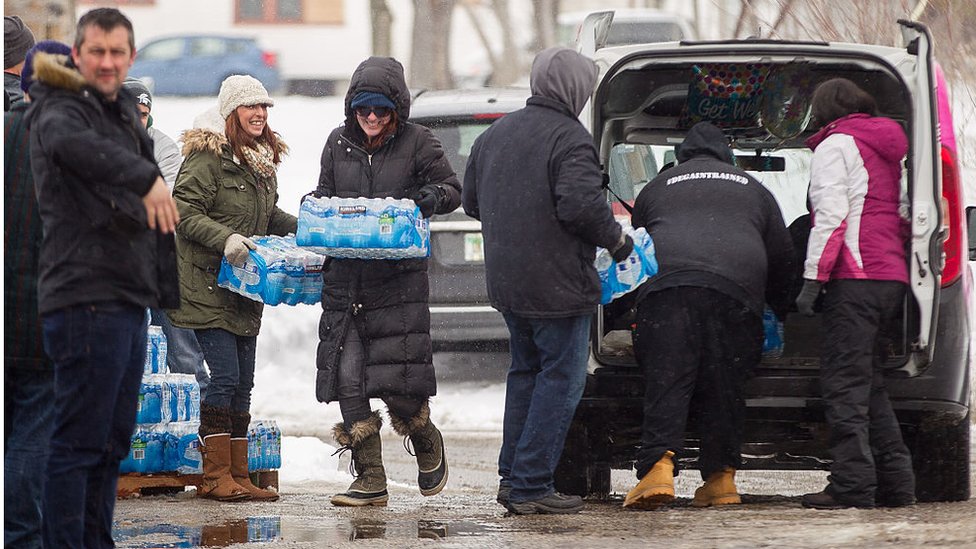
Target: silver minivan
{"type": "Point", "coordinates": [758, 91]}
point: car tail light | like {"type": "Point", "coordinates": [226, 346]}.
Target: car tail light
{"type": "Point", "coordinates": [488, 115]}
{"type": "Point", "coordinates": [954, 245]}
{"type": "Point", "coordinates": [270, 59]}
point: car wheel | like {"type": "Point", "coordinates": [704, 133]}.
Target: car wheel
{"type": "Point", "coordinates": [578, 473]}
{"type": "Point", "coordinates": [940, 454]}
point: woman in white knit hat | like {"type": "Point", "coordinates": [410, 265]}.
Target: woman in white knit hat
{"type": "Point", "coordinates": [227, 190]}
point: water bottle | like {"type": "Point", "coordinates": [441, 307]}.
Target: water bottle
{"type": "Point", "coordinates": [276, 454]}
{"type": "Point", "coordinates": [252, 448]}
{"type": "Point", "coordinates": [628, 272]}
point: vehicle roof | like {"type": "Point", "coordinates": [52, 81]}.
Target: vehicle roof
{"type": "Point", "coordinates": [611, 54]}
{"type": "Point", "coordinates": [460, 102]}
{"type": "Point", "coordinates": [622, 14]}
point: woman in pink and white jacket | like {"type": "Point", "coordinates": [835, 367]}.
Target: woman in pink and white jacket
{"type": "Point", "coordinates": [857, 255]}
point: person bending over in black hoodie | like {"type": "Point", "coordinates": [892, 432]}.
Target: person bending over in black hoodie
{"type": "Point", "coordinates": [719, 237]}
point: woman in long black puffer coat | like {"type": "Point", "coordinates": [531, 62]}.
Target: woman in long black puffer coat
{"type": "Point", "coordinates": [375, 328]}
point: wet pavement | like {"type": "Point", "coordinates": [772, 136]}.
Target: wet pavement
{"type": "Point", "coordinates": [466, 515]}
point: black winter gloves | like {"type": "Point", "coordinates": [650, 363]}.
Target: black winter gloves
{"type": "Point", "coordinates": [808, 295]}
{"type": "Point", "coordinates": [623, 249]}
{"type": "Point", "coordinates": [428, 199]}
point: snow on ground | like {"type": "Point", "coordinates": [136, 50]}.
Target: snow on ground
{"type": "Point", "coordinates": [285, 372]}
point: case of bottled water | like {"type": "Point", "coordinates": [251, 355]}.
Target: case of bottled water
{"type": "Point", "coordinates": [363, 228]}
{"type": "Point", "coordinates": [167, 418]}
{"type": "Point", "coordinates": [278, 271]}
{"type": "Point", "coordinates": [145, 451]}
{"type": "Point", "coordinates": [617, 279]}
{"type": "Point", "coordinates": [264, 445]}
{"type": "Point", "coordinates": [773, 342]}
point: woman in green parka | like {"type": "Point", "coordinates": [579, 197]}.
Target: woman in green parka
{"type": "Point", "coordinates": [227, 190]}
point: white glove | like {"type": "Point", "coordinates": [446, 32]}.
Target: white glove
{"type": "Point", "coordinates": [236, 247]}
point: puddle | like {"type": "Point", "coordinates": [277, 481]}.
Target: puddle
{"type": "Point", "coordinates": [274, 528]}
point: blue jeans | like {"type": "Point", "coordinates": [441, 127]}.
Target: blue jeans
{"type": "Point", "coordinates": [98, 352]}
{"type": "Point", "coordinates": [29, 412]}
{"type": "Point", "coordinates": [183, 354]}
{"type": "Point", "coordinates": [231, 361]}
{"type": "Point", "coordinates": [545, 383]}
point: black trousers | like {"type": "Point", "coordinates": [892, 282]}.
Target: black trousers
{"type": "Point", "coordinates": [353, 404]}
{"type": "Point", "coordinates": [696, 347]}
{"type": "Point", "coordinates": [869, 456]}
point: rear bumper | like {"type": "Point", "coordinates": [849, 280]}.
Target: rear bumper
{"type": "Point", "coordinates": [458, 327]}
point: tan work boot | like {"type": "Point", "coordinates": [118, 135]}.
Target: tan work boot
{"type": "Point", "coordinates": [656, 488]}
{"type": "Point", "coordinates": [719, 489]}
{"type": "Point", "coordinates": [238, 470]}
{"type": "Point", "coordinates": [428, 445]}
{"type": "Point", "coordinates": [217, 482]}
{"type": "Point", "coordinates": [363, 439]}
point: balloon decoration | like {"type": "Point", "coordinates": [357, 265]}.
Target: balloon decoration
{"type": "Point", "coordinates": [785, 108]}
{"type": "Point", "coordinates": [725, 94]}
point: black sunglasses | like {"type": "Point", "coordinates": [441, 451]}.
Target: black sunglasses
{"type": "Point", "coordinates": [380, 112]}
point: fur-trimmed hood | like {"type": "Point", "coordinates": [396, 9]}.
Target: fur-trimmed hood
{"type": "Point", "coordinates": [207, 139]}
{"type": "Point", "coordinates": [57, 71]}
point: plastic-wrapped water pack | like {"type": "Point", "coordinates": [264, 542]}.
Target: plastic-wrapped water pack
{"type": "Point", "coordinates": [363, 228]}
{"type": "Point", "coordinates": [278, 271]}
{"type": "Point", "coordinates": [156, 351]}
{"type": "Point", "coordinates": [617, 279]}
{"type": "Point", "coordinates": [263, 445]}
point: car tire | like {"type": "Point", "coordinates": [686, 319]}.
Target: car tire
{"type": "Point", "coordinates": [940, 454]}
{"type": "Point", "coordinates": [578, 473]}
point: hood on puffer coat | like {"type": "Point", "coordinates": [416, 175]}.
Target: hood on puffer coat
{"type": "Point", "coordinates": [57, 71]}
{"type": "Point", "coordinates": [207, 135]}
{"type": "Point", "coordinates": [381, 75]}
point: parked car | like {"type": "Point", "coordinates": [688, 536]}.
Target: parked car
{"type": "Point", "coordinates": [197, 64]}
{"type": "Point", "coordinates": [647, 97]}
{"type": "Point", "coordinates": [630, 26]}
{"type": "Point", "coordinates": [461, 316]}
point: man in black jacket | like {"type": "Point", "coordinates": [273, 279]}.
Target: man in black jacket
{"type": "Point", "coordinates": [107, 254]}
{"type": "Point", "coordinates": [534, 181]}
{"type": "Point", "coordinates": [723, 250]}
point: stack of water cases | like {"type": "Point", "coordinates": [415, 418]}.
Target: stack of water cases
{"type": "Point", "coordinates": [167, 416]}
{"type": "Point", "coordinates": [617, 279]}
{"type": "Point", "coordinates": [168, 420]}
{"type": "Point", "coordinates": [363, 228]}
{"type": "Point", "coordinates": [277, 272]}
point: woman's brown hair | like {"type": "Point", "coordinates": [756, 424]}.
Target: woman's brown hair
{"type": "Point", "coordinates": [238, 137]}
{"type": "Point", "coordinates": [388, 129]}
{"type": "Point", "coordinates": [839, 97]}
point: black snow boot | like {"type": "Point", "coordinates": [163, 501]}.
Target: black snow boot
{"type": "Point", "coordinates": [429, 447]}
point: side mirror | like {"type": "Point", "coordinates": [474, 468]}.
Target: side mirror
{"type": "Point", "coordinates": [971, 223]}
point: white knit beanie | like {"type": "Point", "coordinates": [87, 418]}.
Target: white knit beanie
{"type": "Point", "coordinates": [241, 89]}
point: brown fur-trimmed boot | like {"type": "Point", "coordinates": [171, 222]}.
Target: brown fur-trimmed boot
{"type": "Point", "coordinates": [363, 439]}
{"type": "Point", "coordinates": [429, 447]}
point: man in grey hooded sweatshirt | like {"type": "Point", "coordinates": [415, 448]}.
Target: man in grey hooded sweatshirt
{"type": "Point", "coordinates": [534, 181]}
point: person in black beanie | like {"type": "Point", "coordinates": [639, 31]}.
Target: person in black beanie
{"type": "Point", "coordinates": [17, 39]}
